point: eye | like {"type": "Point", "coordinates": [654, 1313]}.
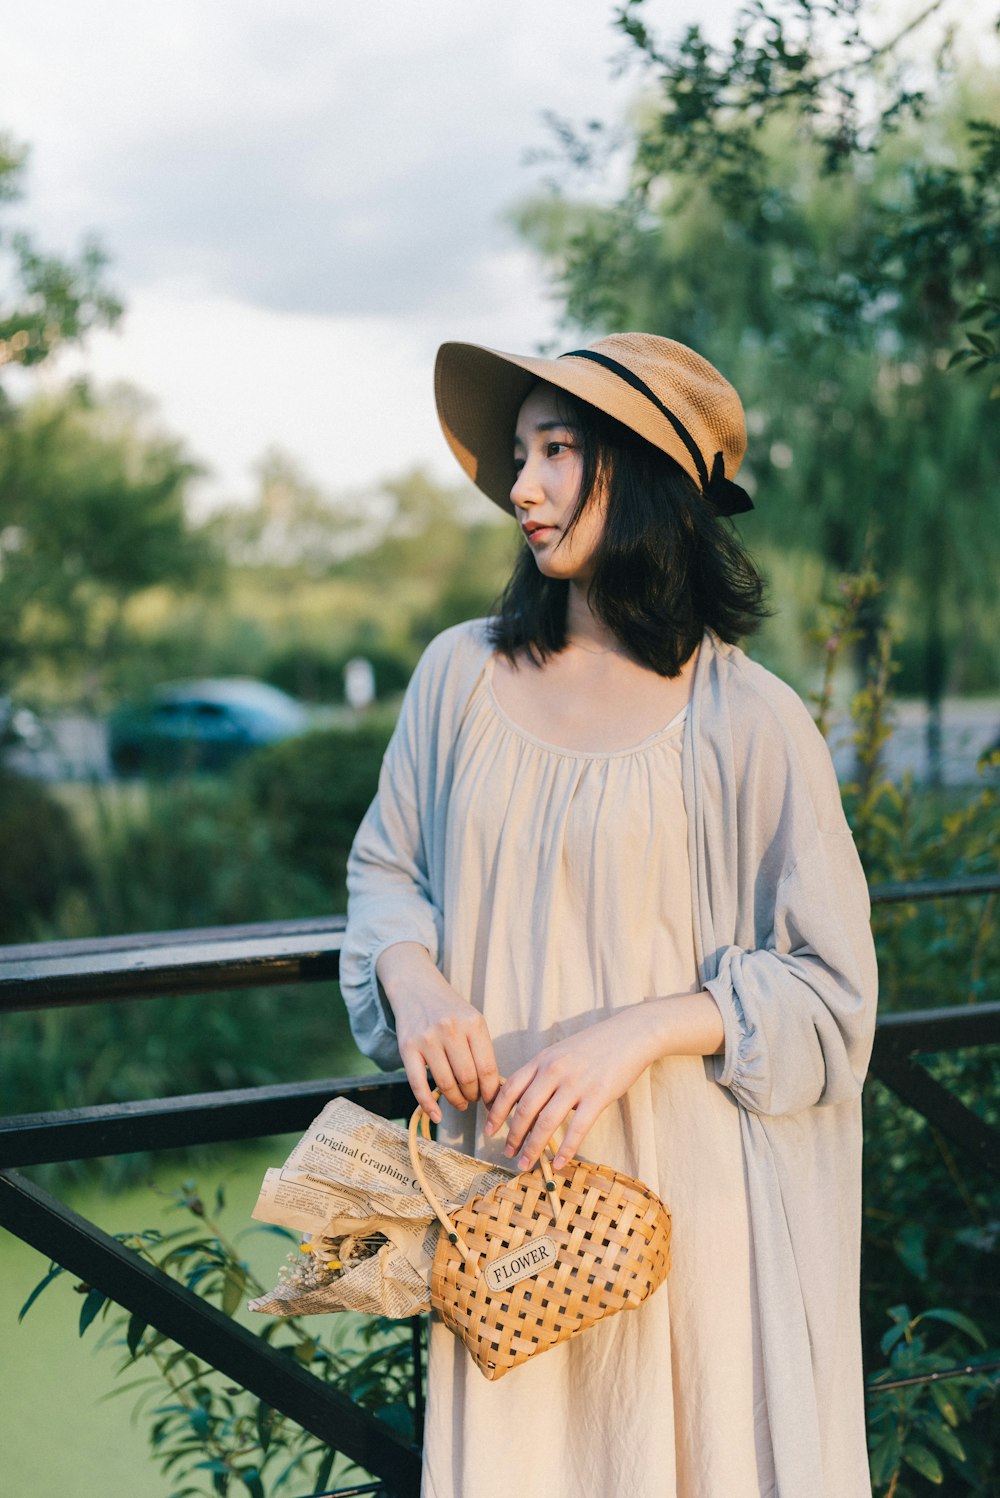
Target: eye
{"type": "Point", "coordinates": [518, 465]}
{"type": "Point", "coordinates": [557, 445]}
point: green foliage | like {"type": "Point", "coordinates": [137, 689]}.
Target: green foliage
{"type": "Point", "coordinates": [187, 852]}
{"type": "Point", "coordinates": [930, 1218]}
{"type": "Point", "coordinates": [270, 843]}
{"type": "Point", "coordinates": [801, 199]}
{"type": "Point", "coordinates": [207, 1436]}
{"type": "Point", "coordinates": [981, 349]}
{"type": "Point", "coordinates": [916, 1427]}
{"type": "Point", "coordinates": [450, 546]}
{"type": "Point", "coordinates": [796, 70]}
{"type": "Point", "coordinates": [43, 857]}
{"type": "Point", "coordinates": [290, 525]}
{"type": "Point", "coordinates": [52, 301]}
{"type": "Point", "coordinates": [315, 674]}
{"type": "Point", "coordinates": [934, 952]}
{"type": "Point", "coordinates": [166, 857]}
{"type": "Point", "coordinates": [114, 1053]}
{"type": "Point", "coordinates": [310, 793]}
{"type": "Point", "coordinates": [311, 580]}
{"type": "Point", "coordinates": [93, 501]}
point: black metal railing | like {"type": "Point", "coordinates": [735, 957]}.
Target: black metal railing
{"type": "Point", "coordinates": [39, 1218]}
{"type": "Point", "coordinates": [131, 968]}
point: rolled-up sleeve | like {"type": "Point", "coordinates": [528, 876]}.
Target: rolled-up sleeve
{"type": "Point", "coordinates": [799, 1010]}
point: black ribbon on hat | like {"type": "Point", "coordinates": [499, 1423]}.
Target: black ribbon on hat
{"type": "Point", "coordinates": [726, 497]}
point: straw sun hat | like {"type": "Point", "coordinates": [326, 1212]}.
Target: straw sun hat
{"type": "Point", "coordinates": [659, 388]}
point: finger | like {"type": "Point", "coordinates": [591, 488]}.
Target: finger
{"type": "Point", "coordinates": [574, 1137]}
{"type": "Point", "coordinates": [481, 1046]}
{"type": "Point", "coordinates": [542, 1130]}
{"type": "Point", "coordinates": [464, 1069]}
{"type": "Point", "coordinates": [444, 1077]}
{"type": "Point", "coordinates": [416, 1075]}
{"type": "Point", "coordinates": [506, 1096]}
{"type": "Point", "coordinates": [526, 1114]}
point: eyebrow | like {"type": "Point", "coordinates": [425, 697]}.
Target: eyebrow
{"type": "Point", "coordinates": [549, 426]}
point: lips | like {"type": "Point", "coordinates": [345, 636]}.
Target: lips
{"type": "Point", "coordinates": [536, 532]}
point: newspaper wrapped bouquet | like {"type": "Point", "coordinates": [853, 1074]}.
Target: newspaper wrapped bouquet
{"type": "Point", "coordinates": [369, 1233]}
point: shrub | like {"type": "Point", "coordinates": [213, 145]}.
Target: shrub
{"type": "Point", "coordinates": [179, 854]}
{"type": "Point", "coordinates": [930, 1224]}
{"type": "Point", "coordinates": [315, 675]}
{"type": "Point", "coordinates": [310, 793]}
{"type": "Point", "coordinates": [43, 857]}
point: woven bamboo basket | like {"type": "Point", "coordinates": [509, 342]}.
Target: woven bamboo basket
{"type": "Point", "coordinates": [543, 1257]}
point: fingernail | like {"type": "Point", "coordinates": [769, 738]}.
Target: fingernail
{"type": "Point", "coordinates": [508, 1149]}
{"type": "Point", "coordinates": [487, 1127]}
{"type": "Point", "coordinates": [436, 1115]}
{"type": "Point", "coordinates": [523, 1163]}
{"type": "Point", "coordinates": [558, 1162]}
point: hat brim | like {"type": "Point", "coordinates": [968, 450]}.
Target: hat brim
{"type": "Point", "coordinates": [479, 392]}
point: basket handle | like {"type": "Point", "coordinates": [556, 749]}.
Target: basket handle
{"type": "Point", "coordinates": [419, 1117]}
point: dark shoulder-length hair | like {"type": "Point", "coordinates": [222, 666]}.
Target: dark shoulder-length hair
{"type": "Point", "coordinates": [666, 566]}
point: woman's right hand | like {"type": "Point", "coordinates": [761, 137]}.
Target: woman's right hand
{"type": "Point", "coordinates": [436, 1030]}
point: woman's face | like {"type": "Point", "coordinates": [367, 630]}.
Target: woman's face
{"type": "Point", "coordinates": [548, 463]}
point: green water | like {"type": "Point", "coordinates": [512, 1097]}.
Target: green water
{"type": "Point", "coordinates": [59, 1434]}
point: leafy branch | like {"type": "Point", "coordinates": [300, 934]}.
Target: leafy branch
{"type": "Point", "coordinates": [916, 1425]}
{"type": "Point", "coordinates": [56, 301]}
{"type": "Point", "coordinates": [981, 350]}
{"type": "Point", "coordinates": [924, 232]}
{"type": "Point", "coordinates": [202, 1429]}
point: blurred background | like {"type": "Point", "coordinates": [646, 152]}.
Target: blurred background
{"type": "Point", "coordinates": [231, 239]}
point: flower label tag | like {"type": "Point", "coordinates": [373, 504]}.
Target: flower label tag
{"type": "Point", "coordinates": [520, 1263]}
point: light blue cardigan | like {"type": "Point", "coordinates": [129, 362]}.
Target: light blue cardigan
{"type": "Point", "coordinates": [784, 945]}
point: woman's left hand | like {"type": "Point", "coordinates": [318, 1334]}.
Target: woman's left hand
{"type": "Point", "coordinates": [580, 1075]}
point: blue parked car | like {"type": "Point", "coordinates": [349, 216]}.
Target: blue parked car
{"type": "Point", "coordinates": [201, 725]}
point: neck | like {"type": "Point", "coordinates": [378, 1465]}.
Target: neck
{"type": "Point", "coordinates": [584, 628]}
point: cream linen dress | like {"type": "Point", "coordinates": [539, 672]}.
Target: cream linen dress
{"type": "Point", "coordinates": [567, 895]}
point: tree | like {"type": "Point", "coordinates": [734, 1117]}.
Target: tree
{"type": "Point", "coordinates": [816, 212]}
{"type": "Point", "coordinates": [51, 301]}
{"type": "Point", "coordinates": [290, 523]}
{"type": "Point", "coordinates": [91, 494]}
{"type": "Point", "coordinates": [93, 500]}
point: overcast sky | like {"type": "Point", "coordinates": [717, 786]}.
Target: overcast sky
{"type": "Point", "coordinates": [303, 199]}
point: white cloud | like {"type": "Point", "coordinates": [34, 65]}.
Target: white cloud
{"type": "Point", "coordinates": [350, 397]}
{"type": "Point", "coordinates": [333, 158]}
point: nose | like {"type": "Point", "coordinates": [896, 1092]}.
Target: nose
{"type": "Point", "coordinates": [526, 489]}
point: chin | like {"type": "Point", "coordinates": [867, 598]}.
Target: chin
{"type": "Point", "coordinates": [565, 575]}
{"type": "Point", "coordinates": [562, 570]}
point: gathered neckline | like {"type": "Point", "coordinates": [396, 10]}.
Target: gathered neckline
{"type": "Point", "coordinates": [524, 733]}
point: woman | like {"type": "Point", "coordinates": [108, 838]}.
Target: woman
{"type": "Point", "coordinates": [608, 862]}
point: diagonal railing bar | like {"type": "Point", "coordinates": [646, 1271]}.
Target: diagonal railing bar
{"type": "Point", "coordinates": [141, 1288]}
{"type": "Point", "coordinates": [914, 1085]}
{"type": "Point", "coordinates": [196, 1118]}
{"type": "Point", "coordinates": [899, 1038]}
